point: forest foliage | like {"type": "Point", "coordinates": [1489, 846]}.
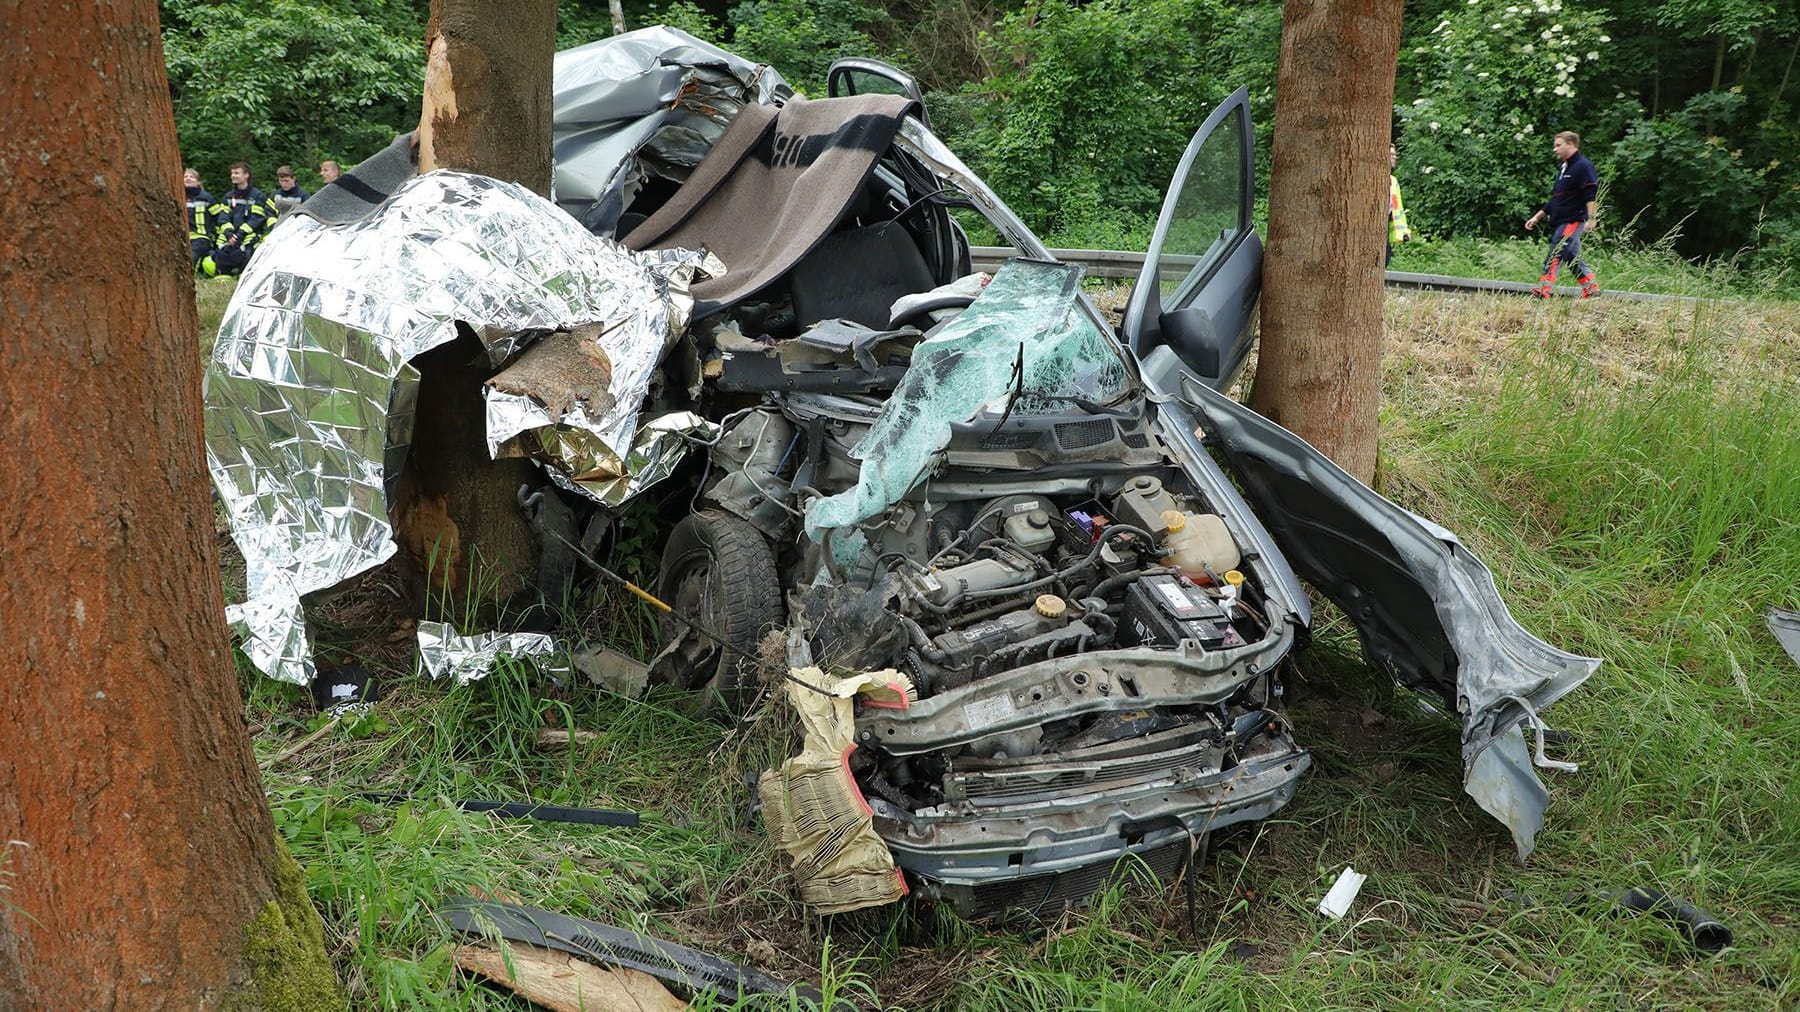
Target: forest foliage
{"type": "Point", "coordinates": [1077, 110]}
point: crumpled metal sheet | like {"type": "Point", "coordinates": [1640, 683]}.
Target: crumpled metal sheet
{"type": "Point", "coordinates": [448, 654]}
{"type": "Point", "coordinates": [649, 101]}
{"type": "Point", "coordinates": [309, 394]}
{"type": "Point", "coordinates": [1786, 627]}
{"type": "Point", "coordinates": [587, 468]}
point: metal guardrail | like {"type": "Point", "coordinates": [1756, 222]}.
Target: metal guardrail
{"type": "Point", "coordinates": [1108, 263]}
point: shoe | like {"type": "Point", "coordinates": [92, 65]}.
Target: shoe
{"type": "Point", "coordinates": [1541, 291]}
{"type": "Point", "coordinates": [1589, 288]}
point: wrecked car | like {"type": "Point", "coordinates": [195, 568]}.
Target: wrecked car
{"type": "Point", "coordinates": [1041, 572]}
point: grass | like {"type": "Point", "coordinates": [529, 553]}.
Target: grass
{"type": "Point", "coordinates": [1632, 474]}
{"type": "Point", "coordinates": [1620, 262]}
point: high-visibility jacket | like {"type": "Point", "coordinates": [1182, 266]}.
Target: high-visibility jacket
{"type": "Point", "coordinates": [1398, 231]}
{"type": "Point", "coordinates": [244, 214]}
{"type": "Point", "coordinates": [201, 223]}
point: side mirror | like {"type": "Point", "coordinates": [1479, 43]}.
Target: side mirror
{"type": "Point", "coordinates": [857, 75]}
{"type": "Point", "coordinates": [1193, 331]}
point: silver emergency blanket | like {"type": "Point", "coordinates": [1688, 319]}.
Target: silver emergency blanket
{"type": "Point", "coordinates": [642, 104]}
{"type": "Point", "coordinates": [309, 393]}
{"type": "Point", "coordinates": [447, 654]}
{"type": "Point", "coordinates": [659, 446]}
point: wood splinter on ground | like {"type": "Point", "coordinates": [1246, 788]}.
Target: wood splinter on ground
{"type": "Point", "coordinates": [556, 737]}
{"type": "Point", "coordinates": [559, 981]}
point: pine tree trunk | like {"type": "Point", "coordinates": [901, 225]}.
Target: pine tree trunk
{"type": "Point", "coordinates": [145, 861]}
{"type": "Point", "coordinates": [1319, 370]}
{"type": "Point", "coordinates": [487, 109]}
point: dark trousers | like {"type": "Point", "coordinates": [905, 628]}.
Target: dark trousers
{"type": "Point", "coordinates": [230, 259]}
{"type": "Point", "coordinates": [1565, 248]}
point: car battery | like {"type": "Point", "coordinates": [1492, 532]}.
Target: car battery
{"type": "Point", "coordinates": [1166, 610]}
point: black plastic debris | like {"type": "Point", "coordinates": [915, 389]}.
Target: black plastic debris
{"type": "Point", "coordinates": [689, 969]}
{"type": "Point", "coordinates": [1702, 930]}
{"type": "Point", "coordinates": [529, 810]}
{"type": "Point", "coordinates": [343, 687]}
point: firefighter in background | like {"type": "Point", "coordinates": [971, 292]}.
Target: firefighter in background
{"type": "Point", "coordinates": [203, 228]}
{"type": "Point", "coordinates": [244, 214]}
{"type": "Point", "coordinates": [1571, 210]}
{"type": "Point", "coordinates": [1398, 231]}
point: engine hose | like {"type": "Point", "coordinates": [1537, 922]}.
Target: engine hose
{"type": "Point", "coordinates": [1701, 929]}
{"type": "Point", "coordinates": [1085, 562]}
{"type": "Point", "coordinates": [1106, 587]}
{"type": "Point", "coordinates": [1094, 614]}
{"type": "Point", "coordinates": [921, 642]}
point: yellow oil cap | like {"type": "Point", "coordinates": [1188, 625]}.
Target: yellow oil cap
{"type": "Point", "coordinates": [1051, 606]}
{"type": "Point", "coordinates": [1173, 521]}
{"type": "Point", "coordinates": [1233, 577]}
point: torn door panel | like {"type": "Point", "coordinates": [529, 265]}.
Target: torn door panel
{"type": "Point", "coordinates": [1425, 606]}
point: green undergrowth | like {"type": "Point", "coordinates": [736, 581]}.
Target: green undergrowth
{"type": "Point", "coordinates": [1632, 475]}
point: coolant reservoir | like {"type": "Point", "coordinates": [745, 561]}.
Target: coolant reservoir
{"type": "Point", "coordinates": [1198, 544]}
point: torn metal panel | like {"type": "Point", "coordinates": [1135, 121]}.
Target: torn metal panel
{"type": "Point", "coordinates": [447, 654]}
{"type": "Point", "coordinates": [1501, 781]}
{"type": "Point", "coordinates": [1024, 346]}
{"type": "Point", "coordinates": [1786, 627]}
{"type": "Point", "coordinates": [309, 393]}
{"type": "Point", "coordinates": [648, 102]}
{"type": "Point", "coordinates": [1427, 609]}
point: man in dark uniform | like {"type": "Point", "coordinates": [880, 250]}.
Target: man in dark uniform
{"type": "Point", "coordinates": [286, 189]}
{"type": "Point", "coordinates": [203, 229]}
{"type": "Point", "coordinates": [1570, 210]}
{"type": "Point", "coordinates": [244, 216]}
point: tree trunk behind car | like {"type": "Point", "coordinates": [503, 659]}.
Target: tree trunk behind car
{"type": "Point", "coordinates": [486, 109]}
{"type": "Point", "coordinates": [1319, 370]}
{"type": "Point", "coordinates": [138, 862]}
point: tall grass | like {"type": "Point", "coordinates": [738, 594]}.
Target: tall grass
{"type": "Point", "coordinates": [1632, 475]}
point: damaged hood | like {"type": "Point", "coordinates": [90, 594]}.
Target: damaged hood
{"type": "Point", "coordinates": [309, 392]}
{"type": "Point", "coordinates": [1426, 608]}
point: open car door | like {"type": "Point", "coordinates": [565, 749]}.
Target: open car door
{"type": "Point", "coordinates": [1426, 608]}
{"type": "Point", "coordinates": [1203, 270]}
{"type": "Point", "coordinates": [855, 75]}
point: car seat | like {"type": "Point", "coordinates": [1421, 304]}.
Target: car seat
{"type": "Point", "coordinates": [856, 274]}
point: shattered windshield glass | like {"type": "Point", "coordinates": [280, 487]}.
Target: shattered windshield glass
{"type": "Point", "coordinates": [1025, 346]}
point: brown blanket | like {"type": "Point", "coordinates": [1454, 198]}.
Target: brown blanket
{"type": "Point", "coordinates": [772, 188]}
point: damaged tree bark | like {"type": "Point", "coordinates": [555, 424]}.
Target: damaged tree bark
{"type": "Point", "coordinates": [486, 109]}
{"type": "Point", "coordinates": [1319, 372]}
{"type": "Point", "coordinates": [139, 866]}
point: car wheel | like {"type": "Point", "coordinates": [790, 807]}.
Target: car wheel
{"type": "Point", "coordinates": [719, 571]}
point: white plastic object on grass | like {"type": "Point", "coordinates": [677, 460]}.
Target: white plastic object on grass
{"type": "Point", "coordinates": [1342, 893]}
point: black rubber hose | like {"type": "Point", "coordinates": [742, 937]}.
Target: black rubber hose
{"type": "Point", "coordinates": [1704, 931]}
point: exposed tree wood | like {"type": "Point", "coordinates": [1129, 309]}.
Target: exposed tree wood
{"type": "Point", "coordinates": [150, 877]}
{"type": "Point", "coordinates": [561, 982]}
{"type": "Point", "coordinates": [486, 109]}
{"type": "Point", "coordinates": [1320, 364]}
{"type": "Point", "coordinates": [487, 100]}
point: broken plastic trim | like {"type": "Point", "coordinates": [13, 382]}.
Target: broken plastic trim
{"type": "Point", "coordinates": [676, 964]}
{"type": "Point", "coordinates": [529, 810]}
